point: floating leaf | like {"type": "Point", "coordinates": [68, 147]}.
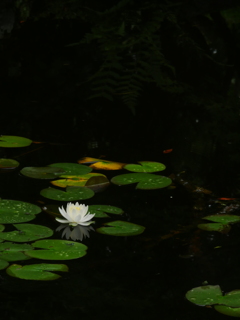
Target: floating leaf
{"type": "Point", "coordinates": [89, 179]}
{"type": "Point", "coordinates": [27, 232]}
{"type": "Point", "coordinates": [228, 311]}
{"type": "Point", "coordinates": [2, 227]}
{"type": "Point", "coordinates": [72, 168]}
{"type": "Point", "coordinates": [204, 295]}
{"type": "Point", "coordinates": [220, 227]}
{"type": "Point", "coordinates": [57, 250]}
{"type": "Point", "coordinates": [145, 180]}
{"type": "Point", "coordinates": [71, 194]}
{"type": "Point", "coordinates": [99, 164]}
{"type": "Point", "coordinates": [36, 271]}
{"type": "Point", "coordinates": [99, 210]}
{"type": "Point", "coordinates": [121, 228]}
{"type": "Point", "coordinates": [13, 252]}
{"type": "Point", "coordinates": [6, 164]}
{"type": "Point", "coordinates": [14, 142]}
{"type": "Point", "coordinates": [12, 211]}
{"type": "Point", "coordinates": [210, 295]}
{"type": "Point", "coordinates": [42, 172]}
{"type": "Point", "coordinates": [145, 166]}
{"type": "Point", "coordinates": [3, 264]}
{"type": "Point", "coordinates": [223, 218]}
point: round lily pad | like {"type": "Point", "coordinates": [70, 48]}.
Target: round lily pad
{"type": "Point", "coordinates": [57, 250]}
{"type": "Point", "coordinates": [121, 228]}
{"type": "Point", "coordinates": [220, 227]}
{"type": "Point", "coordinates": [14, 142]}
{"type": "Point", "coordinates": [205, 295]}
{"type": "Point", "coordinates": [13, 252]}
{"type": "Point", "coordinates": [27, 232]}
{"type": "Point", "coordinates": [6, 164]}
{"type": "Point", "coordinates": [99, 210]}
{"type": "Point", "coordinates": [223, 218]}
{"type": "Point", "coordinates": [3, 264]}
{"type": "Point", "coordinates": [72, 168]}
{"type": "Point", "coordinates": [36, 271]}
{"type": "Point", "coordinates": [42, 172]}
{"type": "Point", "coordinates": [71, 194]}
{"type": "Point", "coordinates": [144, 180]}
{"type": "Point", "coordinates": [145, 166]}
{"type": "Point", "coordinates": [12, 211]}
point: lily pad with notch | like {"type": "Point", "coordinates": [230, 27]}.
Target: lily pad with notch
{"type": "Point", "coordinates": [211, 295]}
{"type": "Point", "coordinates": [145, 181]}
{"type": "Point", "coordinates": [57, 250]}
{"type": "Point", "coordinates": [13, 252]}
{"type": "Point", "coordinates": [42, 172]}
{"type": "Point", "coordinates": [71, 194]}
{"type": "Point", "coordinates": [100, 210]}
{"type": "Point", "coordinates": [145, 166]}
{"type": "Point", "coordinates": [40, 271]}
{"type": "Point", "coordinates": [14, 142]}
{"type": "Point", "coordinates": [12, 211]}
{"type": "Point", "coordinates": [27, 232]}
{"type": "Point", "coordinates": [121, 228]}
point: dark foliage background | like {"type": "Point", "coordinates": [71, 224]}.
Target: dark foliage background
{"type": "Point", "coordinates": [126, 77]}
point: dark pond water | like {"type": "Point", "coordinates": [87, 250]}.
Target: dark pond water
{"type": "Point", "coordinates": [140, 277]}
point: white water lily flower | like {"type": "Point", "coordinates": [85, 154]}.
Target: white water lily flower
{"type": "Point", "coordinates": [76, 214]}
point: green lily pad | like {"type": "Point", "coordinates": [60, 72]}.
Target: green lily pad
{"type": "Point", "coordinates": [27, 232]}
{"type": "Point", "coordinates": [210, 295]}
{"type": "Point", "coordinates": [57, 250]}
{"type": "Point", "coordinates": [220, 227]}
{"type": "Point", "coordinates": [99, 210]}
{"type": "Point", "coordinates": [3, 264]}
{"type": "Point", "coordinates": [12, 211]}
{"type": "Point", "coordinates": [228, 311]}
{"type": "Point", "coordinates": [145, 166]}
{"type": "Point", "coordinates": [42, 172]}
{"type": "Point", "coordinates": [2, 227]}
{"type": "Point", "coordinates": [205, 295]}
{"type": "Point", "coordinates": [6, 164]}
{"type": "Point", "coordinates": [36, 271]}
{"type": "Point", "coordinates": [223, 218]}
{"type": "Point", "coordinates": [13, 252]}
{"type": "Point", "coordinates": [121, 228]}
{"type": "Point", "coordinates": [14, 142]}
{"type": "Point", "coordinates": [72, 169]}
{"type": "Point", "coordinates": [145, 180]}
{"type": "Point", "coordinates": [71, 194]}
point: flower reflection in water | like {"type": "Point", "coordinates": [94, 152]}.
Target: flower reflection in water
{"type": "Point", "coordinates": [75, 233]}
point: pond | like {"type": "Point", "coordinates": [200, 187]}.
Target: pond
{"type": "Point", "coordinates": [122, 276]}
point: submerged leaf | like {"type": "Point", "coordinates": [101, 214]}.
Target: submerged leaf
{"type": "Point", "coordinates": [99, 210]}
{"type": "Point", "coordinates": [121, 228]}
